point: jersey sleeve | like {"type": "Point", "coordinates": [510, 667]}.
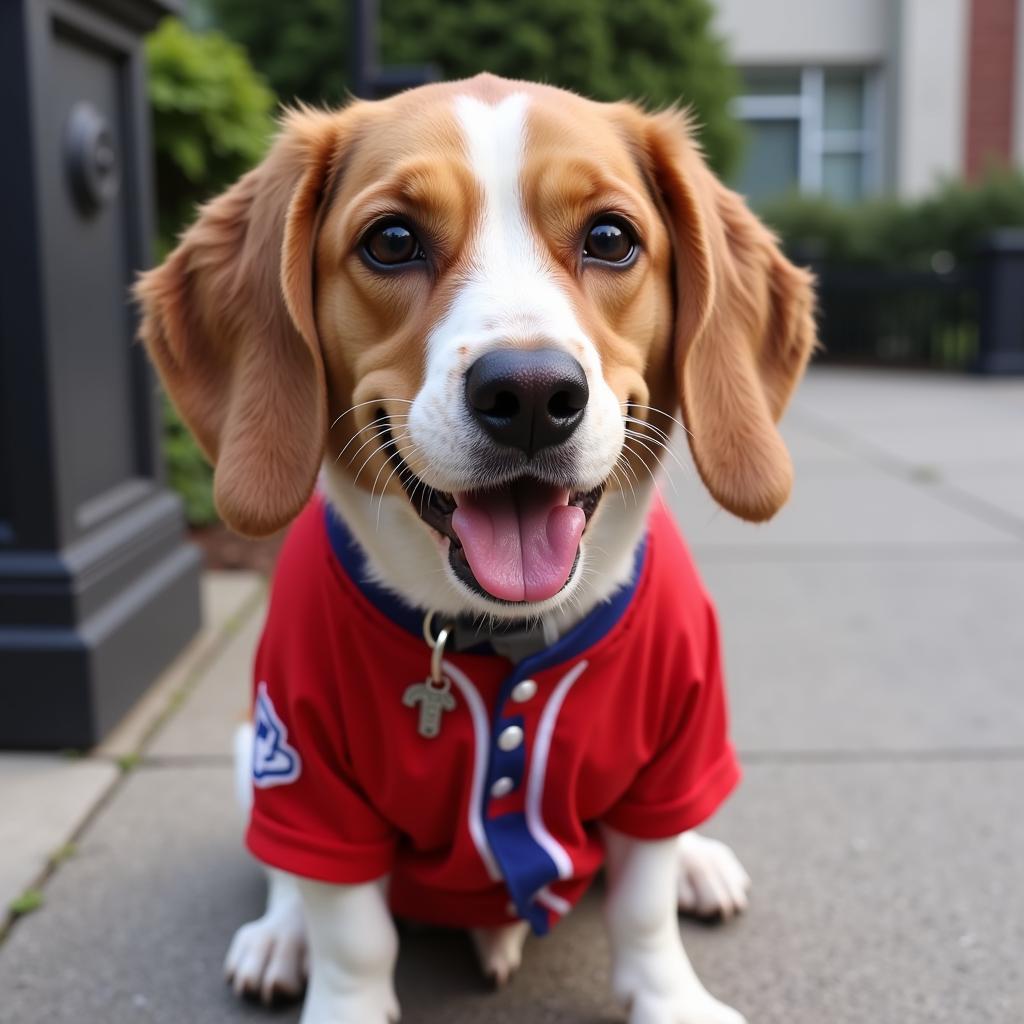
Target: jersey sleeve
{"type": "Point", "coordinates": [310, 814]}
{"type": "Point", "coordinates": [694, 766]}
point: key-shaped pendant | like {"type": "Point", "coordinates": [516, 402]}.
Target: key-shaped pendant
{"type": "Point", "coordinates": [434, 699]}
{"type": "Point", "coordinates": [434, 694]}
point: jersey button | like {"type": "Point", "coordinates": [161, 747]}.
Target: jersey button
{"type": "Point", "coordinates": [502, 787]}
{"type": "Point", "coordinates": [510, 738]}
{"type": "Point", "coordinates": [524, 691]}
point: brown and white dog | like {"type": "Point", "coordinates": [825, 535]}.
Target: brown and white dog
{"type": "Point", "coordinates": [340, 294]}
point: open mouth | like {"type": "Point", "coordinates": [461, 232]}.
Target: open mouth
{"type": "Point", "coordinates": [518, 542]}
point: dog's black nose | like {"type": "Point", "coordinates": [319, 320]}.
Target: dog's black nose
{"type": "Point", "coordinates": [527, 399]}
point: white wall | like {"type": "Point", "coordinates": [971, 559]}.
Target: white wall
{"type": "Point", "coordinates": [929, 95]}
{"type": "Point", "coordinates": [921, 48]}
{"type": "Point", "coordinates": [805, 31]}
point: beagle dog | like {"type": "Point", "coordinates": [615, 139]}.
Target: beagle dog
{"type": "Point", "coordinates": [448, 334]}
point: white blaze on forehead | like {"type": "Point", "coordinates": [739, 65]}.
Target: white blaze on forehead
{"type": "Point", "coordinates": [510, 294]}
{"type": "Point", "coordinates": [511, 282]}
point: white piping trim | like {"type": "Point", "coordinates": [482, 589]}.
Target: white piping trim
{"type": "Point", "coordinates": [538, 769]}
{"type": "Point", "coordinates": [481, 734]}
{"type": "Point", "coordinates": [553, 901]}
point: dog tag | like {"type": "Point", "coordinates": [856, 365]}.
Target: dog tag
{"type": "Point", "coordinates": [434, 694]}
{"type": "Point", "coordinates": [434, 699]}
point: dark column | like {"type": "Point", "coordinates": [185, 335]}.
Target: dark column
{"type": "Point", "coordinates": [370, 81]}
{"type": "Point", "coordinates": [98, 590]}
{"type": "Point", "coordinates": [1001, 303]}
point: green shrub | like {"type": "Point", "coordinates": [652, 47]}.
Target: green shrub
{"type": "Point", "coordinates": [952, 221]}
{"type": "Point", "coordinates": [188, 472]}
{"type": "Point", "coordinates": [212, 119]}
{"type": "Point", "coordinates": [659, 51]}
{"type": "Point", "coordinates": [655, 51]}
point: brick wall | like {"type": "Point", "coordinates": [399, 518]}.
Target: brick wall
{"type": "Point", "coordinates": [990, 87]}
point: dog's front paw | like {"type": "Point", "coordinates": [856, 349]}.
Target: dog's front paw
{"type": "Point", "coordinates": [712, 881]}
{"type": "Point", "coordinates": [368, 1002]}
{"type": "Point", "coordinates": [657, 1009]}
{"type": "Point", "coordinates": [267, 958]}
{"type": "Point", "coordinates": [660, 987]}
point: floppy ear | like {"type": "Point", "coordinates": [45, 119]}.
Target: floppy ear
{"type": "Point", "coordinates": [229, 321]}
{"type": "Point", "coordinates": [744, 327]}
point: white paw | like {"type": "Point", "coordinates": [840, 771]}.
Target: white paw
{"type": "Point", "coordinates": [500, 950]}
{"type": "Point", "coordinates": [369, 1002]}
{"type": "Point", "coordinates": [712, 881]}
{"type": "Point", "coordinates": [268, 957]}
{"type": "Point", "coordinates": [658, 984]}
{"type": "Point", "coordinates": [691, 1008]}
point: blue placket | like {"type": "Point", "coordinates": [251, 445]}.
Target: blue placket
{"type": "Point", "coordinates": [525, 865]}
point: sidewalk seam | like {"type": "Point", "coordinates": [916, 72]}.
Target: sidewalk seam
{"type": "Point", "coordinates": [947, 493]}
{"type": "Point", "coordinates": [128, 763]}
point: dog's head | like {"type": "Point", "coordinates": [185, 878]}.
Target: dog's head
{"type": "Point", "coordinates": [483, 299]}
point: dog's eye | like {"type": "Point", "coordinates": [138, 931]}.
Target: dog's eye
{"type": "Point", "coordinates": [391, 244]}
{"type": "Point", "coordinates": [610, 241]}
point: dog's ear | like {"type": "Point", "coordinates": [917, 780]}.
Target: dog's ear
{"type": "Point", "coordinates": [229, 321]}
{"type": "Point", "coordinates": [744, 326]}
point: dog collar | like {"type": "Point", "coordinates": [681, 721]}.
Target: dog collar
{"type": "Point", "coordinates": [473, 634]}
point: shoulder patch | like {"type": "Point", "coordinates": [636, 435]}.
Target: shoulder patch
{"type": "Point", "coordinates": [275, 762]}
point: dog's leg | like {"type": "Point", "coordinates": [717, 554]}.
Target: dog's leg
{"type": "Point", "coordinates": [267, 957]}
{"type": "Point", "coordinates": [353, 948]}
{"type": "Point", "coordinates": [500, 950]}
{"type": "Point", "coordinates": [651, 972]}
{"type": "Point", "coordinates": [712, 881]}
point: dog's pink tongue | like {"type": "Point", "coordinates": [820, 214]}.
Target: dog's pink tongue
{"type": "Point", "coordinates": [520, 541]}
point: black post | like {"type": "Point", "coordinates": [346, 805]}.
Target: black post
{"type": "Point", "coordinates": [369, 80]}
{"type": "Point", "coordinates": [1001, 302]}
{"type": "Point", "coordinates": [98, 590]}
{"type": "Point", "coordinates": [364, 48]}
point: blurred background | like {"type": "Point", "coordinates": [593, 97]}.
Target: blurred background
{"type": "Point", "coordinates": [873, 631]}
{"type": "Point", "coordinates": [882, 139]}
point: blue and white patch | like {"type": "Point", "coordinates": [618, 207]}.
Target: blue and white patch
{"type": "Point", "coordinates": [275, 762]}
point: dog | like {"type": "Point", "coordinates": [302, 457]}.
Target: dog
{"type": "Point", "coordinates": [447, 334]}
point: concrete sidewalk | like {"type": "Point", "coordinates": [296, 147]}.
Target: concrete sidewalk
{"type": "Point", "coordinates": [875, 644]}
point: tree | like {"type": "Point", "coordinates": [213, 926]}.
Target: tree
{"type": "Point", "coordinates": [656, 51]}
{"type": "Point", "coordinates": [212, 119]}
{"type": "Point", "coordinates": [301, 46]}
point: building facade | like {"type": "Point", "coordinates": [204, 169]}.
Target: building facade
{"type": "Point", "coordinates": [852, 98]}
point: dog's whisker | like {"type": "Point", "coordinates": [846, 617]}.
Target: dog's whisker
{"type": "Point", "coordinates": [382, 432]}
{"type": "Point", "coordinates": [647, 442]}
{"type": "Point", "coordinates": [627, 465]}
{"type": "Point", "coordinates": [662, 434]}
{"type": "Point", "coordinates": [650, 471]}
{"type": "Point", "coordinates": [373, 490]}
{"type": "Point", "coordinates": [372, 401]}
{"type": "Point", "coordinates": [391, 442]}
{"type": "Point", "coordinates": [619, 484]}
{"type": "Point", "coordinates": [400, 465]}
{"type": "Point", "coordinates": [380, 501]}
{"type": "Point", "coordinates": [371, 424]}
{"type": "Point", "coordinates": [369, 458]}
{"type": "Point", "coordinates": [661, 412]}
{"type": "Point", "coordinates": [378, 432]}
{"type": "Point", "coordinates": [623, 464]}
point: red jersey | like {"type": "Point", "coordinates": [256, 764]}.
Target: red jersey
{"type": "Point", "coordinates": [622, 721]}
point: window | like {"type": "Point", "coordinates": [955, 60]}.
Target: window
{"type": "Point", "coordinates": [815, 129]}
